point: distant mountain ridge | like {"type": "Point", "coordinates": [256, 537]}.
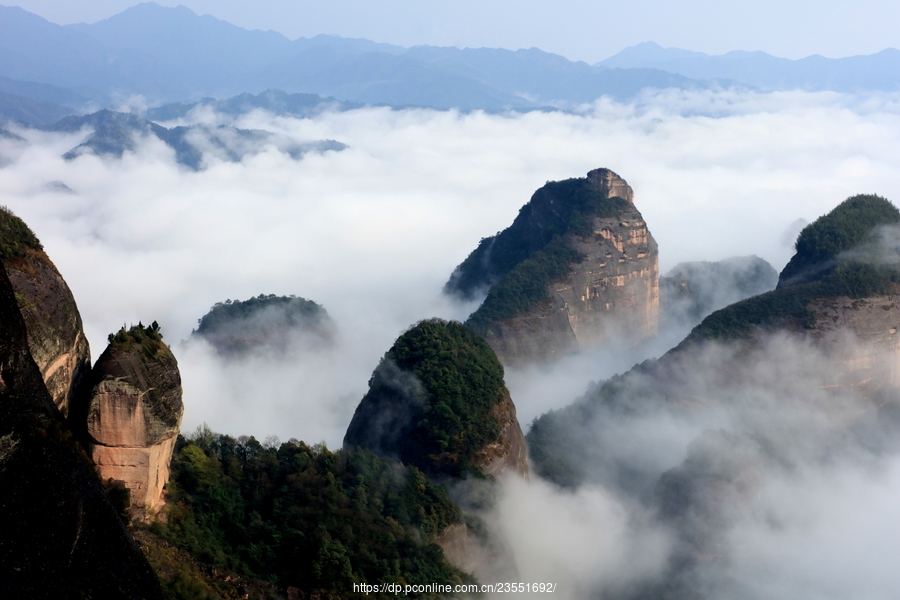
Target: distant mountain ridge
{"type": "Point", "coordinates": [173, 55]}
{"type": "Point", "coordinates": [115, 133]}
{"type": "Point", "coordinates": [880, 71]}
{"type": "Point", "coordinates": [169, 54]}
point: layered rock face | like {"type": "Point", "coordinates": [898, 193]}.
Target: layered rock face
{"type": "Point", "coordinates": [55, 334]}
{"type": "Point", "coordinates": [507, 453]}
{"type": "Point", "coordinates": [612, 293]}
{"type": "Point", "coordinates": [588, 249]}
{"type": "Point", "coordinates": [134, 414]}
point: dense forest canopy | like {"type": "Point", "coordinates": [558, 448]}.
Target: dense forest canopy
{"type": "Point", "coordinates": [301, 516]}
{"type": "Point", "coordinates": [848, 225]}
{"type": "Point", "coordinates": [430, 399]}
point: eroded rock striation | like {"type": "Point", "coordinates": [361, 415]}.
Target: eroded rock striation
{"type": "Point", "coordinates": [577, 266]}
{"type": "Point", "coordinates": [52, 321]}
{"type": "Point", "coordinates": [134, 414]}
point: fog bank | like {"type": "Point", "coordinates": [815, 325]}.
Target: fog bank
{"type": "Point", "coordinates": [373, 232]}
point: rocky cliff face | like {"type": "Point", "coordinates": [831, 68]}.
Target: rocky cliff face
{"type": "Point", "coordinates": [507, 452]}
{"type": "Point", "coordinates": [862, 334]}
{"type": "Point", "coordinates": [53, 325]}
{"type": "Point", "coordinates": [134, 414]}
{"type": "Point", "coordinates": [586, 250]}
{"type": "Point", "coordinates": [61, 537]}
{"type": "Point", "coordinates": [808, 373]}
{"type": "Point", "coordinates": [611, 293]}
{"type": "Point", "coordinates": [55, 335]}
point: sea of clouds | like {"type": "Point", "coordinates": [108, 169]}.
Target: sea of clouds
{"type": "Point", "coordinates": [373, 232]}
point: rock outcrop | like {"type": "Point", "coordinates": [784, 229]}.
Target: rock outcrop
{"type": "Point", "coordinates": [53, 325]}
{"type": "Point", "coordinates": [61, 536]}
{"type": "Point", "coordinates": [693, 290]}
{"type": "Point", "coordinates": [134, 414]}
{"type": "Point", "coordinates": [437, 401]}
{"type": "Point", "coordinates": [807, 372]}
{"type": "Point", "coordinates": [266, 323]}
{"type": "Point", "coordinates": [577, 266]}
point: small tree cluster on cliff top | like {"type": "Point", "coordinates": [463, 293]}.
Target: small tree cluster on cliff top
{"type": "Point", "coordinates": [137, 333]}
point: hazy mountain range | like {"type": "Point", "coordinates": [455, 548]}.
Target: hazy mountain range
{"type": "Point", "coordinates": [879, 71]}
{"type": "Point", "coordinates": [171, 54]}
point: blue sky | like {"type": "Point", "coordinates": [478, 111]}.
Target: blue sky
{"type": "Point", "coordinates": [578, 29]}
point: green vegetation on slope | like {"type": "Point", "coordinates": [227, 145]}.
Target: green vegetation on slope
{"type": "Point", "coordinates": [520, 262]}
{"type": "Point", "coordinates": [847, 226]}
{"type": "Point", "coordinates": [857, 264]}
{"type": "Point", "coordinates": [567, 445]}
{"type": "Point", "coordinates": [236, 326]}
{"type": "Point", "coordinates": [15, 235]}
{"type": "Point", "coordinates": [147, 337]}
{"type": "Point", "coordinates": [556, 209]}
{"type": "Point", "coordinates": [430, 399]}
{"type": "Point", "coordinates": [223, 314]}
{"type": "Point", "coordinates": [525, 285]}
{"type": "Point", "coordinates": [304, 516]}
{"type": "Point", "coordinates": [823, 267]}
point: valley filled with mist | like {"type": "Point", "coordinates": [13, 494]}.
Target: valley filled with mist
{"type": "Point", "coordinates": [282, 243]}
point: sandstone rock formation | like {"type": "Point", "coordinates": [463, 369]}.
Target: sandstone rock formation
{"type": "Point", "coordinates": [134, 414]}
{"type": "Point", "coordinates": [808, 373]}
{"type": "Point", "coordinates": [437, 401]}
{"type": "Point", "coordinates": [61, 536]}
{"type": "Point", "coordinates": [507, 452]}
{"type": "Point", "coordinates": [577, 266]}
{"type": "Point", "coordinates": [53, 325]}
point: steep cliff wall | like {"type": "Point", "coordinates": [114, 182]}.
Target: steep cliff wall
{"type": "Point", "coordinates": [134, 414]}
{"type": "Point", "coordinates": [61, 537]}
{"type": "Point", "coordinates": [862, 333]}
{"type": "Point", "coordinates": [53, 325]}
{"type": "Point", "coordinates": [612, 292]}
{"type": "Point", "coordinates": [578, 266]}
{"type": "Point", "coordinates": [808, 374]}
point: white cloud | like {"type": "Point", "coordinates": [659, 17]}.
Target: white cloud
{"type": "Point", "coordinates": [373, 232]}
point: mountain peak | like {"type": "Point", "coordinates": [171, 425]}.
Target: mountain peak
{"type": "Point", "coordinates": [647, 54]}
